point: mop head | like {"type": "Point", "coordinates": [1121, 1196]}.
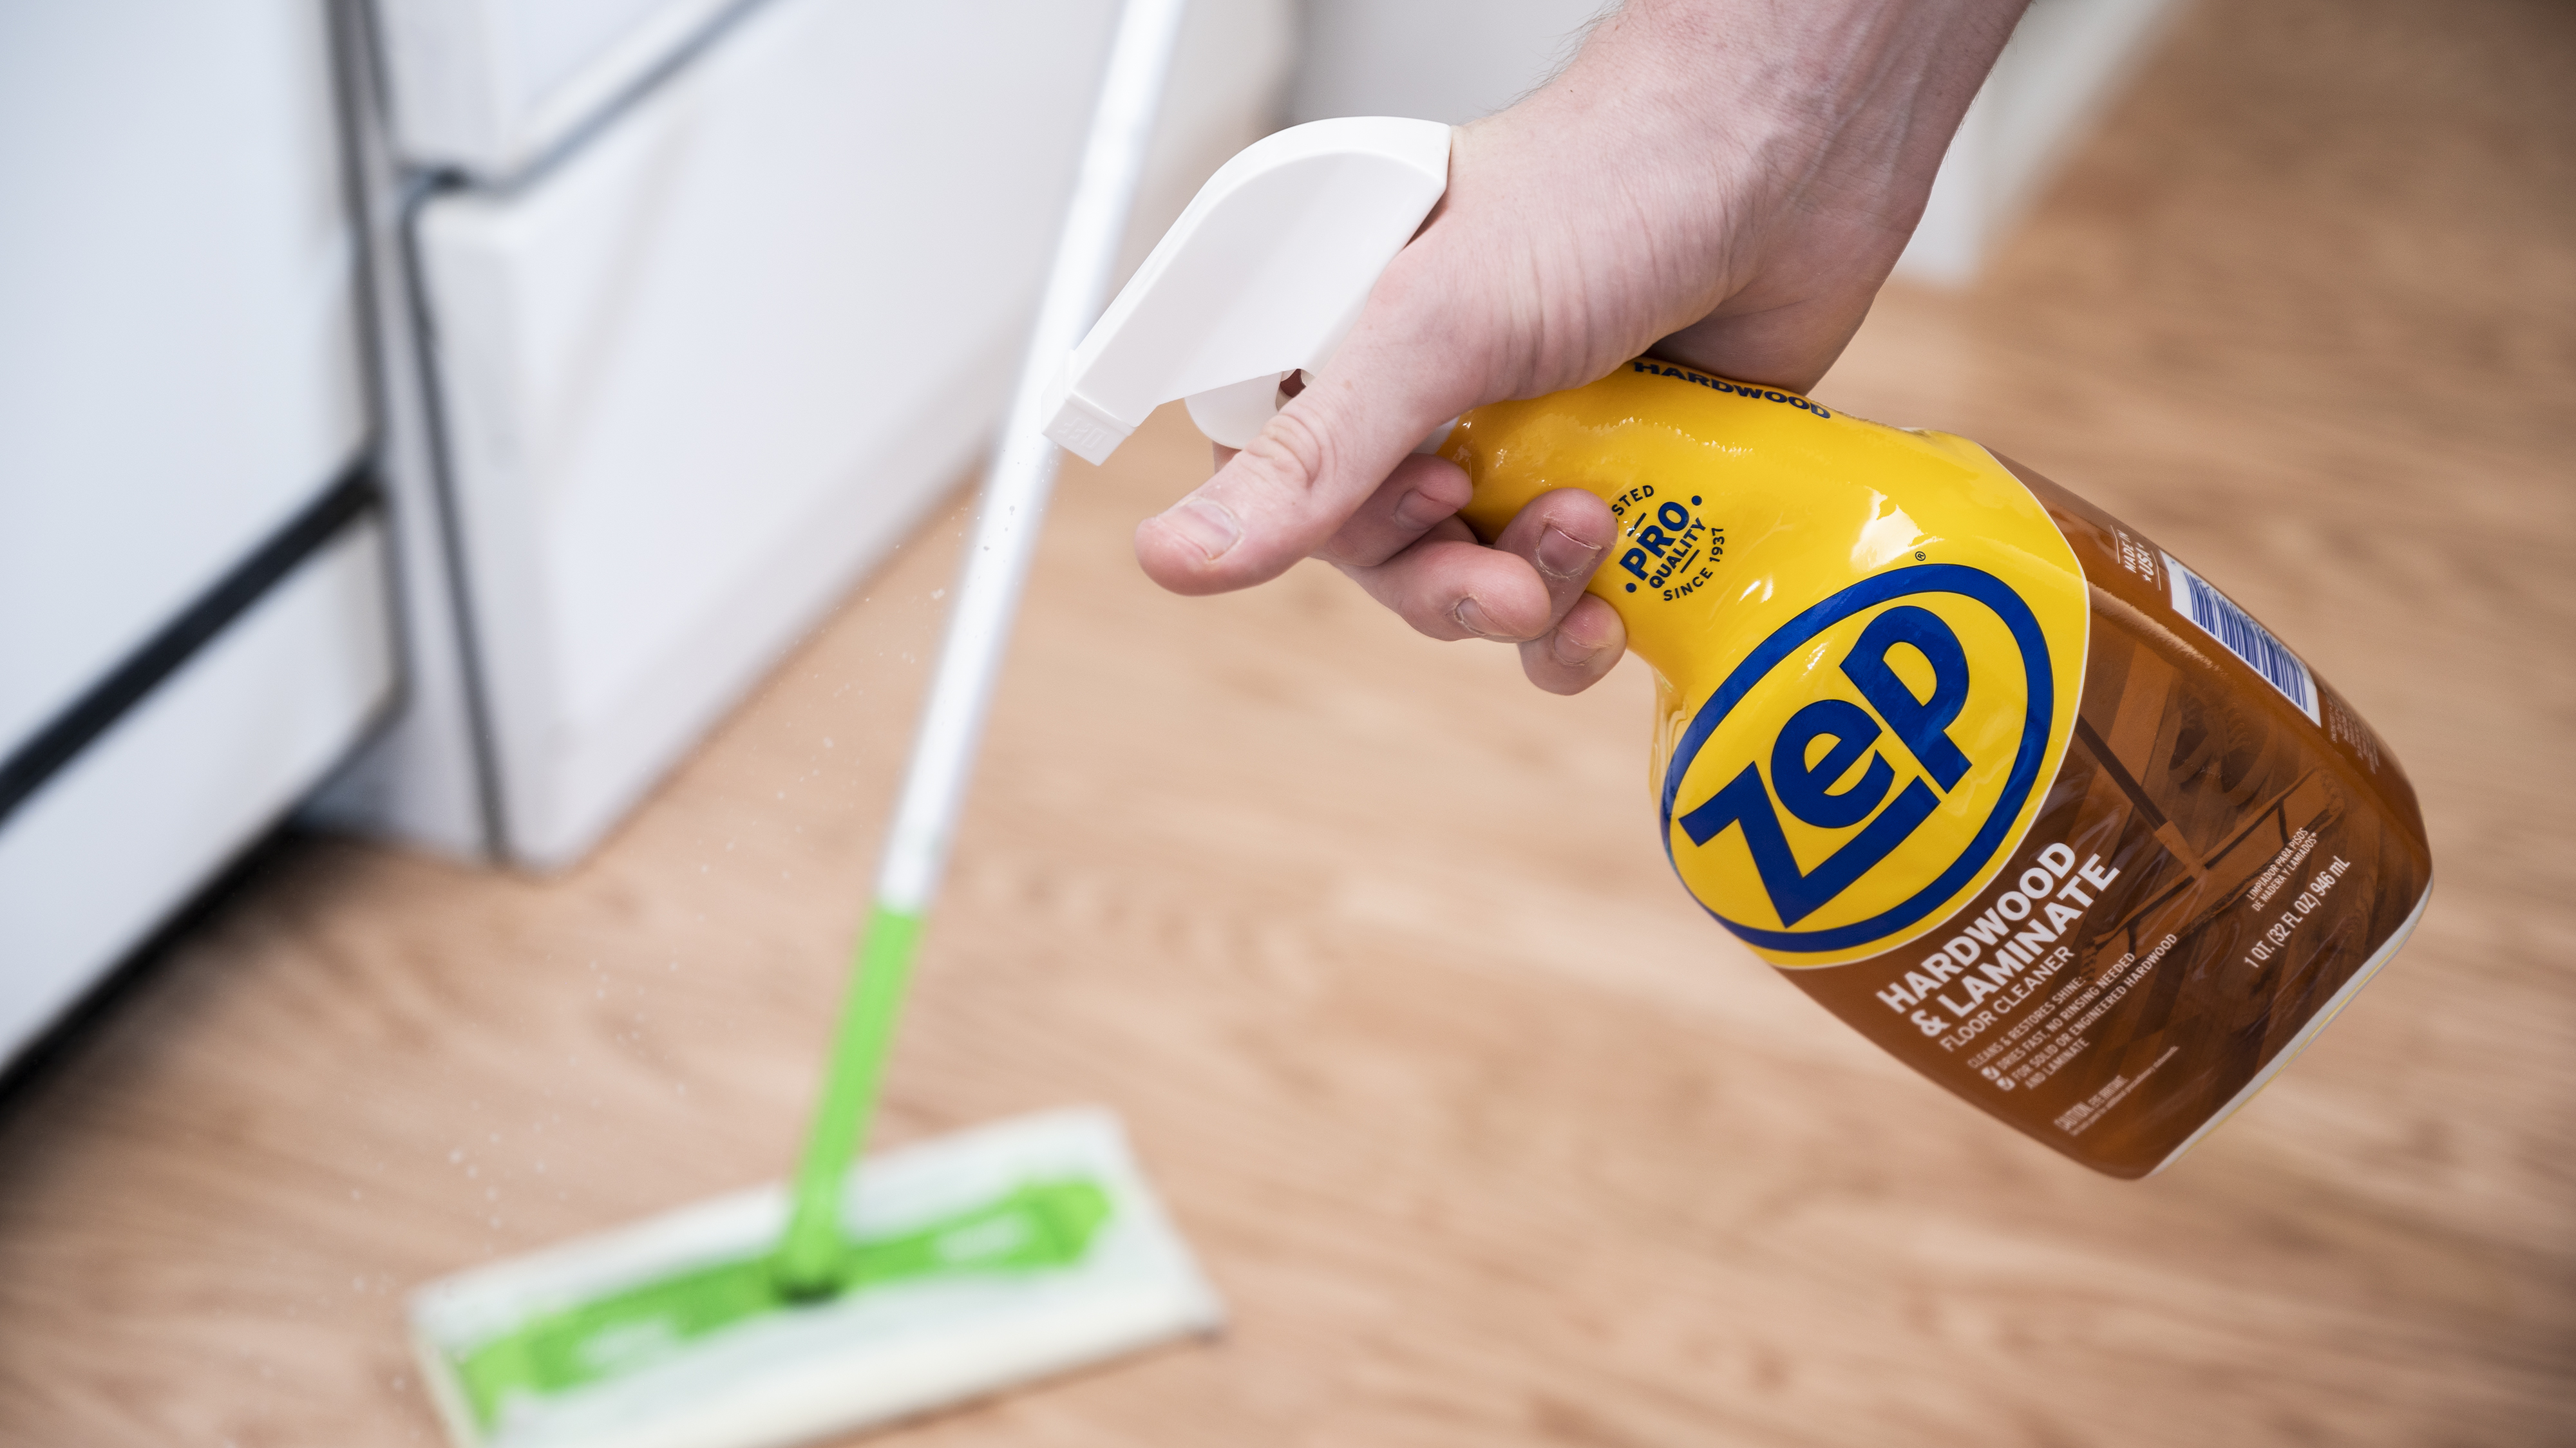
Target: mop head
{"type": "Point", "coordinates": [974, 1262]}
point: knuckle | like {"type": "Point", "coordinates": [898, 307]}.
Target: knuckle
{"type": "Point", "coordinates": [1290, 451]}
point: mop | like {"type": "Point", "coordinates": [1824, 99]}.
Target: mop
{"type": "Point", "coordinates": [925, 1276]}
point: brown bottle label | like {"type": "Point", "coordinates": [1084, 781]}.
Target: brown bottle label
{"type": "Point", "coordinates": [2226, 854]}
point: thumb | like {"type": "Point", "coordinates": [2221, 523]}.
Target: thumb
{"type": "Point", "coordinates": [1325, 453]}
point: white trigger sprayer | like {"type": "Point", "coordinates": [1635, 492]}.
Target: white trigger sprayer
{"type": "Point", "coordinates": [1262, 276]}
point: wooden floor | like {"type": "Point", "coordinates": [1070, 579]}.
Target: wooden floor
{"type": "Point", "coordinates": [1486, 1135]}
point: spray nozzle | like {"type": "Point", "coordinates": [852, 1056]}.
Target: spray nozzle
{"type": "Point", "coordinates": [1261, 277]}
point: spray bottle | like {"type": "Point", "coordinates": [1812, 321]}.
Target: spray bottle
{"type": "Point", "coordinates": [2003, 785]}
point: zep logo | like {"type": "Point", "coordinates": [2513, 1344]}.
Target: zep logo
{"type": "Point", "coordinates": [1866, 762]}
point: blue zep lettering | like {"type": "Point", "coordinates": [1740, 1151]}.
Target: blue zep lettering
{"type": "Point", "coordinates": [1923, 724]}
{"type": "Point", "coordinates": [1804, 789]}
{"type": "Point", "coordinates": [1794, 892]}
{"type": "Point", "coordinates": [1920, 723]}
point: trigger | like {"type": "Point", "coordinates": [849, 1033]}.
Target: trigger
{"type": "Point", "coordinates": [1234, 414]}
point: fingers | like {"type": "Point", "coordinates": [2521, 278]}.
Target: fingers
{"type": "Point", "coordinates": [1408, 550]}
{"type": "Point", "coordinates": [1579, 651]}
{"type": "Point", "coordinates": [1421, 492]}
{"type": "Point", "coordinates": [1327, 453]}
{"type": "Point", "coordinates": [1450, 586]}
{"type": "Point", "coordinates": [1562, 535]}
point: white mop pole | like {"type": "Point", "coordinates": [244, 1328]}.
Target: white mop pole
{"type": "Point", "coordinates": [1023, 473]}
{"type": "Point", "coordinates": [1011, 506]}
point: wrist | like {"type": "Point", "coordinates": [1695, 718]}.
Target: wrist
{"type": "Point", "coordinates": [1854, 99]}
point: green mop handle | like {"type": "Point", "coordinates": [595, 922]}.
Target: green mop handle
{"type": "Point", "coordinates": [997, 563]}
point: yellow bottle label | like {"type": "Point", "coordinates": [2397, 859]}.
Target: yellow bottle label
{"type": "Point", "coordinates": [1868, 643]}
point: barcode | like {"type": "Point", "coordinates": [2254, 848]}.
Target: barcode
{"type": "Point", "coordinates": [2235, 629]}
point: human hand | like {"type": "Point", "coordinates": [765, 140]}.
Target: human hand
{"type": "Point", "coordinates": [1723, 182]}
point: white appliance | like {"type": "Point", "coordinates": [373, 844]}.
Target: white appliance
{"type": "Point", "coordinates": [488, 86]}
{"type": "Point", "coordinates": [194, 616]}
{"type": "Point", "coordinates": [713, 302]}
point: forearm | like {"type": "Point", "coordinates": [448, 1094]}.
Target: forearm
{"type": "Point", "coordinates": [1771, 153]}
{"type": "Point", "coordinates": [1840, 95]}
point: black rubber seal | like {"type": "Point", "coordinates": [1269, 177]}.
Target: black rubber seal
{"type": "Point", "coordinates": [79, 724]}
